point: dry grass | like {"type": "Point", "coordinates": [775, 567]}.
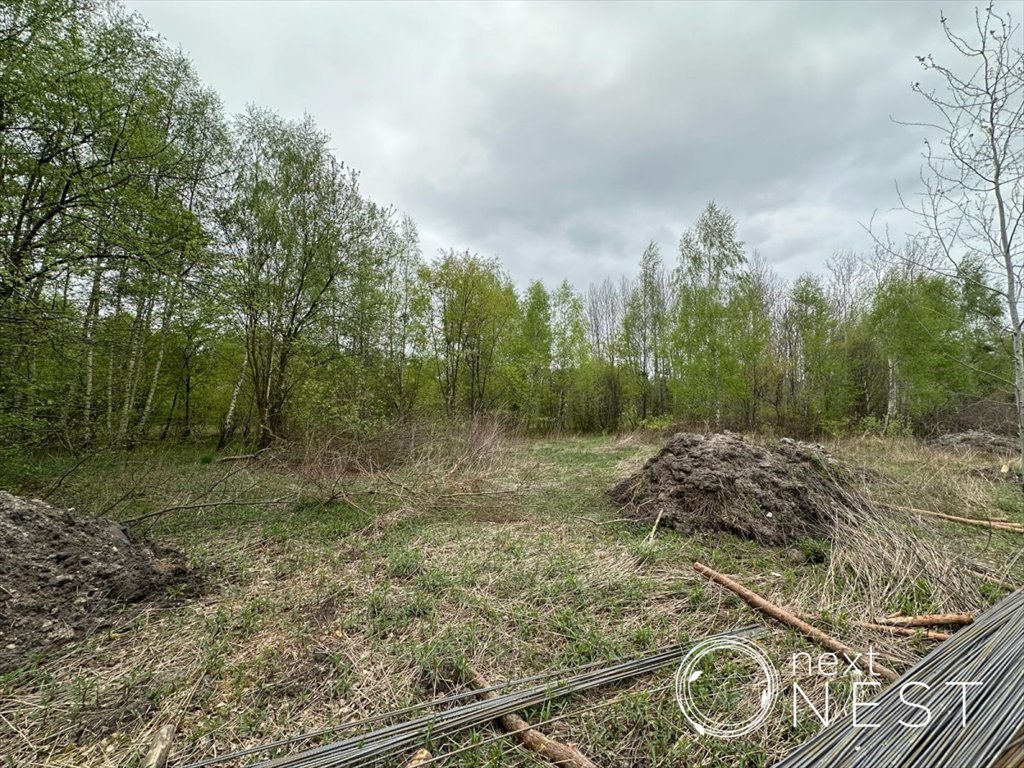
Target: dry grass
{"type": "Point", "coordinates": [316, 613]}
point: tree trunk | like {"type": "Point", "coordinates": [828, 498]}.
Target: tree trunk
{"type": "Point", "coordinates": [892, 401]}
{"type": "Point", "coordinates": [110, 362]}
{"type": "Point", "coordinates": [186, 428]}
{"type": "Point", "coordinates": [141, 325]}
{"type": "Point", "coordinates": [164, 332]}
{"type": "Point", "coordinates": [227, 425]}
{"type": "Point", "coordinates": [170, 412]}
{"type": "Point", "coordinates": [90, 345]}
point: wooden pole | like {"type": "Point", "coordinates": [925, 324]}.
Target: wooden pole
{"type": "Point", "coordinates": [553, 751]}
{"type": "Point", "coordinates": [928, 620]}
{"type": "Point", "coordinates": [906, 631]}
{"type": "Point", "coordinates": [770, 609]}
{"type": "Point", "coordinates": [999, 525]}
{"type": "Point", "coordinates": [160, 748]}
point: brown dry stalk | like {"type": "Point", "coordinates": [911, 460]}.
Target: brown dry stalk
{"type": "Point", "coordinates": [551, 750]}
{"type": "Point", "coordinates": [999, 525]}
{"type": "Point", "coordinates": [928, 620]}
{"type": "Point", "coordinates": [770, 609]}
{"type": "Point", "coordinates": [993, 580]}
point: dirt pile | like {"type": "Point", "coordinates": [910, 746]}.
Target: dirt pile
{"type": "Point", "coordinates": [720, 482]}
{"type": "Point", "coordinates": [62, 575]}
{"type": "Point", "coordinates": [975, 440]}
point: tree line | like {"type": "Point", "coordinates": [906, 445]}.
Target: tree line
{"type": "Point", "coordinates": [168, 270]}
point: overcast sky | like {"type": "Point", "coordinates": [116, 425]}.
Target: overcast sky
{"type": "Point", "coordinates": [562, 137]}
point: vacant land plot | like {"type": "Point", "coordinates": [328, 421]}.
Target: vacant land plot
{"type": "Point", "coordinates": [350, 592]}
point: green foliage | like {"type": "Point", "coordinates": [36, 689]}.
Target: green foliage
{"type": "Point", "coordinates": [168, 273]}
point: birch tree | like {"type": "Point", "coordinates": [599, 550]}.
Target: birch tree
{"type": "Point", "coordinates": [294, 223]}
{"type": "Point", "coordinates": [973, 199]}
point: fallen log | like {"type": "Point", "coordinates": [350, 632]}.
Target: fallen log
{"type": "Point", "coordinates": [160, 748]}
{"type": "Point", "coordinates": [770, 609]}
{"type": "Point", "coordinates": [928, 620]}
{"type": "Point", "coordinates": [551, 750]}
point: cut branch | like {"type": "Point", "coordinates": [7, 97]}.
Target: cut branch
{"type": "Point", "coordinates": [928, 634]}
{"type": "Point", "coordinates": [208, 504]}
{"type": "Point", "coordinates": [928, 620]}
{"type": "Point", "coordinates": [773, 611]}
{"type": "Point", "coordinates": [160, 748]}
{"type": "Point", "coordinates": [553, 751]}
{"type": "Point", "coordinates": [978, 523]}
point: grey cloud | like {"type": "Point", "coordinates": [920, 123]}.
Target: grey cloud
{"type": "Point", "coordinates": [562, 137]}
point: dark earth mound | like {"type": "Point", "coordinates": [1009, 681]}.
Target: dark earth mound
{"type": "Point", "coordinates": [720, 482]}
{"type": "Point", "coordinates": [62, 575]}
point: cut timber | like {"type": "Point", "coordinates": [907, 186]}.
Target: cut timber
{"type": "Point", "coordinates": [160, 748]}
{"type": "Point", "coordinates": [770, 609]}
{"type": "Point", "coordinates": [422, 757]}
{"type": "Point", "coordinates": [551, 750]}
{"type": "Point", "coordinates": [907, 631]}
{"type": "Point", "coordinates": [928, 620]}
{"type": "Point", "coordinates": [998, 525]}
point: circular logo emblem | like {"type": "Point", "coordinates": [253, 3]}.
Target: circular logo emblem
{"type": "Point", "coordinates": [696, 693]}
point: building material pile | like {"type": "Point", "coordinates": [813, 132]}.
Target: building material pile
{"type": "Point", "coordinates": [973, 687]}
{"type": "Point", "coordinates": [404, 736]}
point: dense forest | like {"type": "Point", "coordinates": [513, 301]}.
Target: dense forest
{"type": "Point", "coordinates": [169, 270]}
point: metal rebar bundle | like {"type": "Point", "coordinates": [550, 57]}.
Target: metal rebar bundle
{"type": "Point", "coordinates": [967, 726]}
{"type": "Point", "coordinates": [368, 748]}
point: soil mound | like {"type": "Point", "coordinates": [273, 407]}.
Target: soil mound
{"type": "Point", "coordinates": [720, 482]}
{"type": "Point", "coordinates": [976, 440]}
{"type": "Point", "coordinates": [62, 575]}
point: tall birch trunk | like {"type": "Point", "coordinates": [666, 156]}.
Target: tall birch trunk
{"type": "Point", "coordinates": [142, 319]}
{"type": "Point", "coordinates": [90, 346]}
{"type": "Point", "coordinates": [228, 424]}
{"type": "Point", "coordinates": [164, 332]}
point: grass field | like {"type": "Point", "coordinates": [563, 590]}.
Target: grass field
{"type": "Point", "coordinates": [507, 558]}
